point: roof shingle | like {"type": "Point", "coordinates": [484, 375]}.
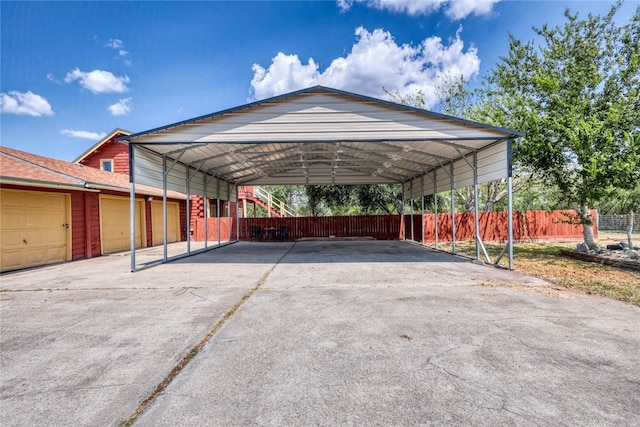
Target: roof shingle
{"type": "Point", "coordinates": [23, 166]}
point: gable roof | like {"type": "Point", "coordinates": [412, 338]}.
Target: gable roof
{"type": "Point", "coordinates": [22, 168]}
{"type": "Point", "coordinates": [320, 135]}
{"type": "Point", "coordinates": [114, 133]}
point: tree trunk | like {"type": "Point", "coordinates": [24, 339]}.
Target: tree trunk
{"type": "Point", "coordinates": [587, 226]}
{"type": "Point", "coordinates": [490, 204]}
{"type": "Point", "coordinates": [630, 218]}
{"type": "Point", "coordinates": [466, 197]}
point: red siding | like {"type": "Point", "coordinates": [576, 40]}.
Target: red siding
{"type": "Point", "coordinates": [117, 152]}
{"type": "Point", "coordinates": [148, 219]}
{"type": "Point", "coordinates": [183, 221]}
{"type": "Point", "coordinates": [93, 201]}
{"type": "Point", "coordinates": [197, 209]}
{"type": "Point", "coordinates": [78, 225]}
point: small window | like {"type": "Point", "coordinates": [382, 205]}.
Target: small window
{"type": "Point", "coordinates": [106, 165]}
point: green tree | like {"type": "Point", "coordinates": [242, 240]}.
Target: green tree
{"type": "Point", "coordinates": [455, 98]}
{"type": "Point", "coordinates": [576, 97]}
{"type": "Point", "coordinates": [293, 196]}
{"type": "Point", "coordinates": [354, 199]}
{"type": "Point", "coordinates": [625, 202]}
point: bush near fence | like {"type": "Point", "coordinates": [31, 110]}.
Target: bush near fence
{"type": "Point", "coordinates": [531, 225]}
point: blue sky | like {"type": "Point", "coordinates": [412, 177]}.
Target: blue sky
{"type": "Point", "coordinates": [71, 72]}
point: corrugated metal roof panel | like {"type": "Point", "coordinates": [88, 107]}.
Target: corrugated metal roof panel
{"type": "Point", "coordinates": [342, 138]}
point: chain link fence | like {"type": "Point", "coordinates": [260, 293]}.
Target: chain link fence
{"type": "Point", "coordinates": [617, 223]}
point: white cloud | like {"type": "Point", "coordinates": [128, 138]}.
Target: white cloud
{"type": "Point", "coordinates": [118, 46]}
{"type": "Point", "coordinates": [460, 9]}
{"type": "Point", "coordinates": [454, 9]}
{"type": "Point", "coordinates": [98, 81]}
{"type": "Point", "coordinates": [286, 73]}
{"type": "Point", "coordinates": [375, 62]}
{"type": "Point", "coordinates": [53, 79]}
{"type": "Point", "coordinates": [121, 107]}
{"type": "Point", "coordinates": [344, 5]}
{"type": "Point", "coordinates": [24, 103]}
{"type": "Point", "coordinates": [82, 134]}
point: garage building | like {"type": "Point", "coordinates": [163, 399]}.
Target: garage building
{"type": "Point", "coordinates": [54, 211]}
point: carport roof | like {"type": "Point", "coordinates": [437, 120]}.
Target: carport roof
{"type": "Point", "coordinates": [320, 135]}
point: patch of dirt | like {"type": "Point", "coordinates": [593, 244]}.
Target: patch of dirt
{"type": "Point", "coordinates": [553, 292]}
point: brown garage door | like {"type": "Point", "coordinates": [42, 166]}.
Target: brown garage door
{"type": "Point", "coordinates": [115, 228]}
{"type": "Point", "coordinates": [173, 222]}
{"type": "Point", "coordinates": [35, 228]}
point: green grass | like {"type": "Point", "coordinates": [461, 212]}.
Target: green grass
{"type": "Point", "coordinates": [543, 260]}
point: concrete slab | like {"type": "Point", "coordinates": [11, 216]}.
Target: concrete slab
{"type": "Point", "coordinates": [83, 343]}
{"type": "Point", "coordinates": [359, 333]}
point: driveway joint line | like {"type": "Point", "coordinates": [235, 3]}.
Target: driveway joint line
{"type": "Point", "coordinates": [228, 315]}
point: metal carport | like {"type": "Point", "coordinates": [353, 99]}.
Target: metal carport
{"type": "Point", "coordinates": [322, 135]}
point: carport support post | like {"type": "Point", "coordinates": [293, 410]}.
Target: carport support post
{"type": "Point", "coordinates": [422, 202]}
{"type": "Point", "coordinates": [402, 218]}
{"type": "Point", "coordinates": [229, 210]}
{"type": "Point", "coordinates": [205, 205]}
{"type": "Point", "coordinates": [238, 214]}
{"type": "Point", "coordinates": [510, 219]}
{"type": "Point", "coordinates": [453, 213]}
{"type": "Point", "coordinates": [218, 208]}
{"type": "Point", "coordinates": [435, 204]}
{"type": "Point", "coordinates": [475, 203]}
{"type": "Point", "coordinates": [188, 213]}
{"type": "Point", "coordinates": [164, 208]}
{"type": "Point", "coordinates": [132, 207]}
{"type": "Point", "coordinates": [411, 209]}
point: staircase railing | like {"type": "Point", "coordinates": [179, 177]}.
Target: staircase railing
{"type": "Point", "coordinates": [273, 203]}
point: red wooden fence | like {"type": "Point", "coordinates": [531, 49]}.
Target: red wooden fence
{"type": "Point", "coordinates": [226, 231]}
{"type": "Point", "coordinates": [376, 226]}
{"type": "Point", "coordinates": [532, 225]}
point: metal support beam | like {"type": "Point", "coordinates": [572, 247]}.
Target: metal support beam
{"type": "Point", "coordinates": [229, 210]}
{"type": "Point", "coordinates": [164, 208]}
{"type": "Point", "coordinates": [205, 205]}
{"type": "Point", "coordinates": [422, 202]}
{"type": "Point", "coordinates": [479, 242]}
{"type": "Point", "coordinates": [510, 215]}
{"type": "Point", "coordinates": [132, 207]}
{"type": "Point", "coordinates": [476, 218]}
{"type": "Point", "coordinates": [453, 213]}
{"type": "Point", "coordinates": [188, 185]}
{"type": "Point", "coordinates": [165, 173]}
{"type": "Point", "coordinates": [411, 209]}
{"type": "Point", "coordinates": [435, 204]}
{"type": "Point", "coordinates": [509, 246]}
{"type": "Point", "coordinates": [237, 215]}
{"type": "Point", "coordinates": [510, 199]}
{"type": "Point", "coordinates": [403, 219]}
{"type": "Point", "coordinates": [218, 209]}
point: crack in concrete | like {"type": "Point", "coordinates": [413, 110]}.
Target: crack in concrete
{"type": "Point", "coordinates": [191, 353]}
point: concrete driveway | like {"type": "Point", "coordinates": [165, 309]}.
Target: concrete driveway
{"type": "Point", "coordinates": [336, 333]}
